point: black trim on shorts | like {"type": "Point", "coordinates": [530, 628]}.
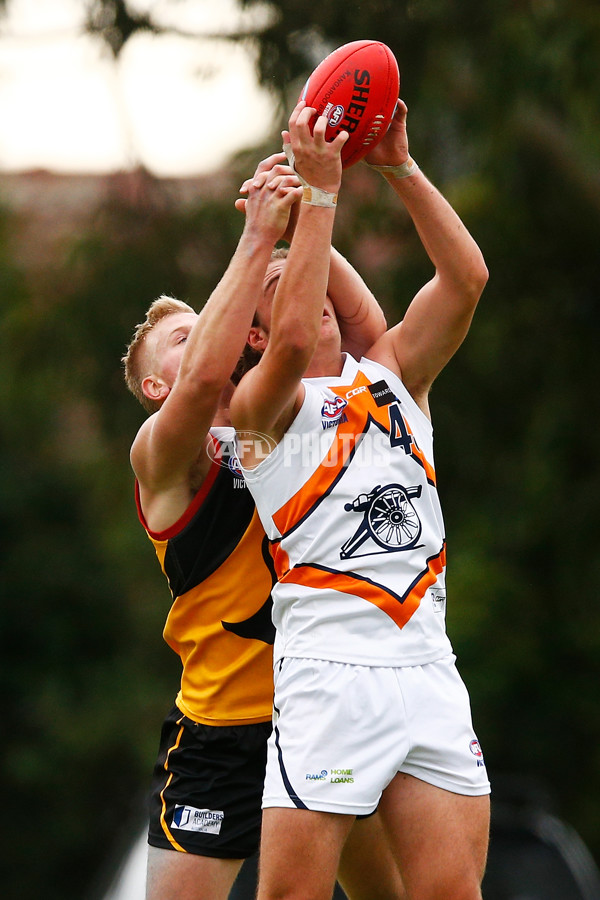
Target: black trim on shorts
{"type": "Point", "coordinates": [207, 787]}
{"type": "Point", "coordinates": [300, 804]}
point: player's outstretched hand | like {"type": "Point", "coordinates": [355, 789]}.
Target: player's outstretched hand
{"type": "Point", "coordinates": [392, 150]}
{"type": "Point", "coordinates": [265, 165]}
{"type": "Point", "coordinates": [316, 160]}
{"type": "Point", "coordinates": [271, 194]}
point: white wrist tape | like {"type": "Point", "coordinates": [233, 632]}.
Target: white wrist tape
{"type": "Point", "coordinates": [313, 195]}
{"type": "Point", "coordinates": [317, 197]}
{"type": "Point", "coordinates": [403, 171]}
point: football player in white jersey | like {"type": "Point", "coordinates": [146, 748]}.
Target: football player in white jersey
{"type": "Point", "coordinates": [369, 708]}
{"type": "Point", "coordinates": [210, 766]}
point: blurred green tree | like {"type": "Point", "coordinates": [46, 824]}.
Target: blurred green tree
{"type": "Point", "coordinates": [85, 675]}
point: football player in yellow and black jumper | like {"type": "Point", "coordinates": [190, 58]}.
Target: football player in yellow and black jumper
{"type": "Point", "coordinates": [205, 805]}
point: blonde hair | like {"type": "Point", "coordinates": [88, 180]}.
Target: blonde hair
{"type": "Point", "coordinates": [135, 361]}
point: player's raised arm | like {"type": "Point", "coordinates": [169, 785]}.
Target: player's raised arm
{"type": "Point", "coordinates": [357, 310]}
{"type": "Point", "coordinates": [267, 396]}
{"type": "Point", "coordinates": [359, 315]}
{"type": "Point", "coordinates": [189, 359]}
{"type": "Point", "coordinates": [440, 314]}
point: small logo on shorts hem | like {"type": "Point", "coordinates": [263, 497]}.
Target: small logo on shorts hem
{"type": "Point", "coordinates": [188, 818]}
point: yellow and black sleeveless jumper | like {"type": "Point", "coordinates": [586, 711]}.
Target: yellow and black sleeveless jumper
{"type": "Point", "coordinates": [220, 573]}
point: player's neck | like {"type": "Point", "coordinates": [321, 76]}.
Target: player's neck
{"type": "Point", "coordinates": [326, 361]}
{"type": "Point", "coordinates": [221, 418]}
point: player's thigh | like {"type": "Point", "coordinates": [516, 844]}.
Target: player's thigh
{"type": "Point", "coordinates": [368, 869]}
{"type": "Point", "coordinates": [187, 876]}
{"type": "Point", "coordinates": [440, 838]}
{"type": "Point", "coordinates": [299, 853]}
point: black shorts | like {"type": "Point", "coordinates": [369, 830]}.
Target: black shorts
{"type": "Point", "coordinates": [207, 787]}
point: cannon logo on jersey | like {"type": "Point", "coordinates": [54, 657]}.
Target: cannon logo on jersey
{"type": "Point", "coordinates": [389, 520]}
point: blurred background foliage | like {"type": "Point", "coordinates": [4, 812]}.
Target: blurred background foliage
{"type": "Point", "coordinates": [503, 116]}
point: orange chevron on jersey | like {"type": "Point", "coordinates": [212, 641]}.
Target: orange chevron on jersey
{"type": "Point", "coordinates": [361, 410]}
{"type": "Point", "coordinates": [400, 609]}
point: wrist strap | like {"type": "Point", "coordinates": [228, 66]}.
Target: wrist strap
{"type": "Point", "coordinates": [403, 171]}
{"type": "Point", "coordinates": [312, 195]}
{"type": "Point", "coordinates": [317, 197]}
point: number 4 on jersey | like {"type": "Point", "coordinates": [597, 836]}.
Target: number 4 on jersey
{"type": "Point", "coordinates": [399, 435]}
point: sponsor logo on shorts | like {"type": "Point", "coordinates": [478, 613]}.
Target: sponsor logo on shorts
{"type": "Point", "coordinates": [341, 776]}
{"type": "Point", "coordinates": [336, 776]}
{"type": "Point", "coordinates": [477, 752]}
{"type": "Point", "coordinates": [207, 821]}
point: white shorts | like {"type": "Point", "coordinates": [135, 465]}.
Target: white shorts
{"type": "Point", "coordinates": [342, 732]}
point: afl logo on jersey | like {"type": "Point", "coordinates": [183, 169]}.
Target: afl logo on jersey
{"type": "Point", "coordinates": [332, 412]}
{"type": "Point", "coordinates": [475, 749]}
{"type": "Point", "coordinates": [233, 464]}
{"type": "Point", "coordinates": [234, 467]}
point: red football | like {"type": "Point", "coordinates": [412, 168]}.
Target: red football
{"type": "Point", "coordinates": [356, 87]}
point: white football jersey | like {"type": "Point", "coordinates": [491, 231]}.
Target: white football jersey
{"type": "Point", "coordinates": [348, 500]}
